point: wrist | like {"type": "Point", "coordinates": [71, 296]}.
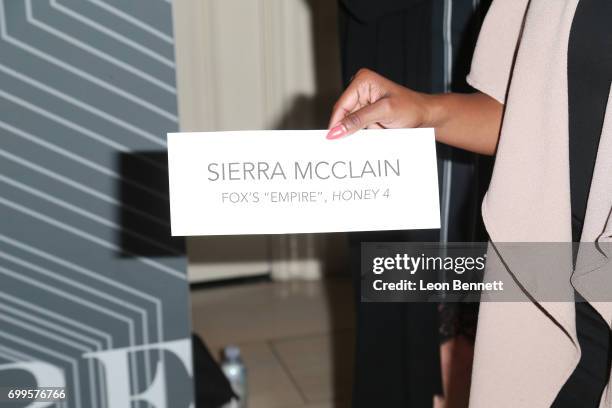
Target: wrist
{"type": "Point", "coordinates": [434, 110]}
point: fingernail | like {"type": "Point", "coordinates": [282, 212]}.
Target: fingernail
{"type": "Point", "coordinates": [336, 132]}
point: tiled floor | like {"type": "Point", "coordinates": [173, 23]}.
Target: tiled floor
{"type": "Point", "coordinates": [296, 338]}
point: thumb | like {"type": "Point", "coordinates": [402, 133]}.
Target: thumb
{"type": "Point", "coordinates": [360, 119]}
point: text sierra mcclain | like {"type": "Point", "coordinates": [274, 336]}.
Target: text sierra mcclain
{"type": "Point", "coordinates": [306, 170]}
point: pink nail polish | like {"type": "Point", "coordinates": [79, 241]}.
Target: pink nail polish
{"type": "Point", "coordinates": [336, 132]}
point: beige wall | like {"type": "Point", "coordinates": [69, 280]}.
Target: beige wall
{"type": "Point", "coordinates": [257, 64]}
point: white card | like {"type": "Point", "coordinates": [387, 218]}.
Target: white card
{"type": "Point", "coordinates": [278, 182]}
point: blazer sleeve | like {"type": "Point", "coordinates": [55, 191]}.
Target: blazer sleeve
{"type": "Point", "coordinates": [496, 47]}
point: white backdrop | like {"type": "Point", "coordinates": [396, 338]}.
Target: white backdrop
{"type": "Point", "coordinates": [257, 64]}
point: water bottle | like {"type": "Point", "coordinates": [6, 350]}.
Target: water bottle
{"type": "Point", "coordinates": [235, 371]}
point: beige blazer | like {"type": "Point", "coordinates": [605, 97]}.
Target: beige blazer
{"type": "Point", "coordinates": [526, 351]}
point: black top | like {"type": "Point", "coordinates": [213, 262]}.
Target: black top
{"type": "Point", "coordinates": [589, 76]}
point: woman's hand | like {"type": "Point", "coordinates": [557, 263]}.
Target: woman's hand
{"type": "Point", "coordinates": [467, 121]}
{"type": "Point", "coordinates": [372, 101]}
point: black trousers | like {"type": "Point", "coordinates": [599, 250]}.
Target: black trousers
{"type": "Point", "coordinates": [585, 386]}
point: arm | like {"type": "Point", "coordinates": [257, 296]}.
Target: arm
{"type": "Point", "coordinates": [466, 121]}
